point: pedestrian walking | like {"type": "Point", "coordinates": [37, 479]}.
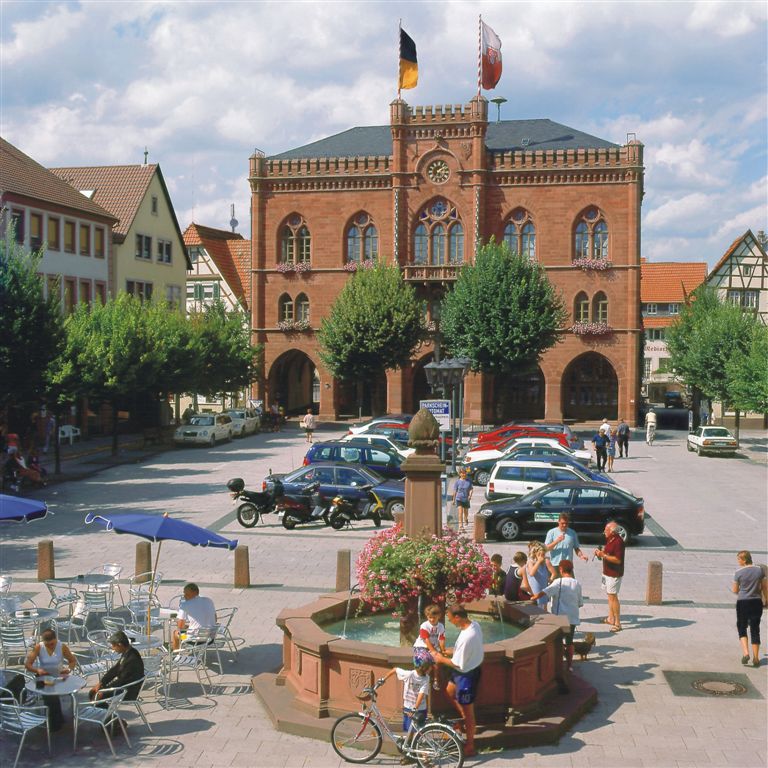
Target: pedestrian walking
{"type": "Point", "coordinates": [612, 555]}
{"type": "Point", "coordinates": [566, 596]}
{"type": "Point", "coordinates": [462, 497]}
{"type": "Point", "coordinates": [605, 427]}
{"type": "Point", "coordinates": [600, 442]}
{"type": "Point", "coordinates": [751, 589]}
{"type": "Point", "coordinates": [623, 433]}
{"type": "Point", "coordinates": [650, 426]}
{"type": "Point", "coordinates": [561, 543]}
{"type": "Point", "coordinates": [309, 423]}
{"type": "Point", "coordinates": [613, 439]}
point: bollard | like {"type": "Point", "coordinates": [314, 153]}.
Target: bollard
{"type": "Point", "coordinates": [143, 558]}
{"type": "Point", "coordinates": [242, 568]}
{"type": "Point", "coordinates": [46, 568]}
{"type": "Point", "coordinates": [478, 529]}
{"type": "Point", "coordinates": [654, 585]}
{"type": "Point", "coordinates": [343, 559]}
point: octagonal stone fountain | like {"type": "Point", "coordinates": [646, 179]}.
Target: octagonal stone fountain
{"type": "Point", "coordinates": [526, 695]}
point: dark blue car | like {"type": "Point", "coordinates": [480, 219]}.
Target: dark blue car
{"type": "Point", "coordinates": [380, 459]}
{"type": "Point", "coordinates": [342, 479]}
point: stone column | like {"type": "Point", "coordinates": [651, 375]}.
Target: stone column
{"type": "Point", "coordinates": [423, 497]}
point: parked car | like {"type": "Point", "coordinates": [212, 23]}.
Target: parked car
{"type": "Point", "coordinates": [517, 477]}
{"type": "Point", "coordinates": [574, 441]}
{"type": "Point", "coordinates": [482, 454]}
{"type": "Point", "coordinates": [245, 421]}
{"type": "Point", "coordinates": [381, 441]}
{"type": "Point", "coordinates": [205, 428]}
{"type": "Point", "coordinates": [479, 471]}
{"type": "Point", "coordinates": [590, 506]}
{"type": "Point", "coordinates": [511, 431]}
{"type": "Point", "coordinates": [390, 418]}
{"type": "Point", "coordinates": [385, 461]}
{"type": "Point", "coordinates": [673, 400]}
{"type": "Point", "coordinates": [712, 440]}
{"type": "Point", "coordinates": [340, 479]}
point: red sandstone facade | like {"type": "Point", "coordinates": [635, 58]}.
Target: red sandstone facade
{"type": "Point", "coordinates": [444, 155]}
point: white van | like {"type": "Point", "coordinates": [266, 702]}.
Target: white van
{"type": "Point", "coordinates": [516, 478]}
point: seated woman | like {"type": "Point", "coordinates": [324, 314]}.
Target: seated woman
{"type": "Point", "coordinates": [48, 658]}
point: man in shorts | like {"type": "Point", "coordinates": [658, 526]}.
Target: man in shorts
{"type": "Point", "coordinates": [612, 555]}
{"type": "Point", "coordinates": [466, 661]}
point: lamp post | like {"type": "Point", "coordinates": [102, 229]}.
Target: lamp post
{"type": "Point", "coordinates": [447, 375]}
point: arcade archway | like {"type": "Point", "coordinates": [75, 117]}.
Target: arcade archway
{"type": "Point", "coordinates": [518, 397]}
{"type": "Point", "coordinates": [590, 389]}
{"type": "Point", "coordinates": [292, 382]}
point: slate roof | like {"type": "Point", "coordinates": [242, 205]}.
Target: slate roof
{"type": "Point", "coordinates": [230, 251]}
{"type": "Point", "coordinates": [732, 248]}
{"type": "Point", "coordinates": [21, 175]}
{"type": "Point", "coordinates": [670, 281]}
{"type": "Point", "coordinates": [367, 141]}
{"type": "Point", "coordinates": [120, 189]}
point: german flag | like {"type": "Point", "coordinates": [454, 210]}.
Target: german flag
{"type": "Point", "coordinates": [409, 67]}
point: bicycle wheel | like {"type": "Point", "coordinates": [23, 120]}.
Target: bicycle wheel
{"type": "Point", "coordinates": [438, 745]}
{"type": "Point", "coordinates": [356, 738]}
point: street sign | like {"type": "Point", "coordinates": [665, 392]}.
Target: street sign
{"type": "Point", "coordinates": [441, 410]}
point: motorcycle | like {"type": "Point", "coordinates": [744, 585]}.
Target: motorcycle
{"type": "Point", "coordinates": [343, 511]}
{"type": "Point", "coordinates": [304, 507]}
{"type": "Point", "coordinates": [255, 504]}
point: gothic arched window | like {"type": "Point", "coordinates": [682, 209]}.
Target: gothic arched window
{"type": "Point", "coordinates": [520, 234]}
{"type": "Point", "coordinates": [581, 308]}
{"type": "Point", "coordinates": [285, 309]}
{"type": "Point", "coordinates": [438, 239]}
{"type": "Point", "coordinates": [295, 241]}
{"type": "Point", "coordinates": [362, 239]}
{"type": "Point", "coordinates": [590, 236]}
{"type": "Point", "coordinates": [302, 308]}
{"type": "Point", "coordinates": [600, 308]}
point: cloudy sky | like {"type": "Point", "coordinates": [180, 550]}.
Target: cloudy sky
{"type": "Point", "coordinates": [202, 84]}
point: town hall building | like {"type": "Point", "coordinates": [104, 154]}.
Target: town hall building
{"type": "Point", "coordinates": [424, 192]}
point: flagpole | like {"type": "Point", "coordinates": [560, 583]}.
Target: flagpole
{"type": "Point", "coordinates": [399, 53]}
{"type": "Point", "coordinates": [479, 53]}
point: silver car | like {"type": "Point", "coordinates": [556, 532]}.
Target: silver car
{"type": "Point", "coordinates": [206, 428]}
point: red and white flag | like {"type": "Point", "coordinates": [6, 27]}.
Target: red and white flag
{"type": "Point", "coordinates": [491, 57]}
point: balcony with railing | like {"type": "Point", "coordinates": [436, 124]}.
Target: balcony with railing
{"type": "Point", "coordinates": [433, 273]}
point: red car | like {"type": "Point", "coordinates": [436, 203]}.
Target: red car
{"type": "Point", "coordinates": [504, 434]}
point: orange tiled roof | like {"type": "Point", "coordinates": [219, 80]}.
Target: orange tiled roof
{"type": "Point", "coordinates": [231, 253]}
{"type": "Point", "coordinates": [654, 321]}
{"type": "Point", "coordinates": [21, 175]}
{"type": "Point", "coordinates": [670, 281]}
{"type": "Point", "coordinates": [118, 188]}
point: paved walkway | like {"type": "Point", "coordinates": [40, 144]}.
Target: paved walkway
{"type": "Point", "coordinates": [639, 720]}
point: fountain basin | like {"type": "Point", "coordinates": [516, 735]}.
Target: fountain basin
{"type": "Point", "coordinates": [326, 673]}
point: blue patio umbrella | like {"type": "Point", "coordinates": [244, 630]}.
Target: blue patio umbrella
{"type": "Point", "coordinates": [160, 528]}
{"type": "Point", "coordinates": [16, 510]}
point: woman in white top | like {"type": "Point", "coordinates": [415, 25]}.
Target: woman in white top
{"type": "Point", "coordinates": [48, 658]}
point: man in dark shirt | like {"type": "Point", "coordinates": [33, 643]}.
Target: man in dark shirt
{"type": "Point", "coordinates": [612, 555]}
{"type": "Point", "coordinates": [600, 441]}
{"type": "Point", "coordinates": [623, 435]}
{"type": "Point", "coordinates": [129, 668]}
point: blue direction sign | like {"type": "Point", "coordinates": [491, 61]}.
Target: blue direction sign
{"type": "Point", "coordinates": [441, 410]}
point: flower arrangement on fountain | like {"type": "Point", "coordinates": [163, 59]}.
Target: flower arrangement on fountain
{"type": "Point", "coordinates": [393, 570]}
{"type": "Point", "coordinates": [597, 265]}
{"type": "Point", "coordinates": [591, 329]}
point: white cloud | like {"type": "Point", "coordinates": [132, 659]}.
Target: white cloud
{"type": "Point", "coordinates": [726, 19]}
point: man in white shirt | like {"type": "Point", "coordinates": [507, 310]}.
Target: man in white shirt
{"type": "Point", "coordinates": [605, 427]}
{"type": "Point", "coordinates": [195, 614]}
{"type": "Point", "coordinates": [466, 661]}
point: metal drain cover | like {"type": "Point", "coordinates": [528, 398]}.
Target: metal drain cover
{"type": "Point", "coordinates": [711, 684]}
{"type": "Point", "coordinates": [719, 687]}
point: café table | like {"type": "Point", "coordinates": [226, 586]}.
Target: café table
{"type": "Point", "coordinates": [84, 580]}
{"type": "Point", "coordinates": [34, 615]}
{"type": "Point", "coordinates": [68, 685]}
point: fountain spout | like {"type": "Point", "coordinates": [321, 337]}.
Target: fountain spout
{"type": "Point", "coordinates": [354, 588]}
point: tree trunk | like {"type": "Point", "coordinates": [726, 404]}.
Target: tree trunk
{"type": "Point", "coordinates": [55, 436]}
{"type": "Point", "coordinates": [115, 421]}
{"type": "Point", "coordinates": [736, 425]}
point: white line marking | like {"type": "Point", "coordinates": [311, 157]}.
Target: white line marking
{"type": "Point", "coordinates": [742, 512]}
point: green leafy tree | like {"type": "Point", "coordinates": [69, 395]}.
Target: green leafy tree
{"type": "Point", "coordinates": [374, 325]}
{"type": "Point", "coordinates": [746, 373]}
{"type": "Point", "coordinates": [109, 354]}
{"type": "Point", "coordinates": [503, 312]}
{"type": "Point", "coordinates": [227, 361]}
{"type": "Point", "coordinates": [31, 330]}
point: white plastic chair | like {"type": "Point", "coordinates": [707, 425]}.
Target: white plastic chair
{"type": "Point", "coordinates": [88, 712]}
{"type": "Point", "coordinates": [68, 432]}
{"type": "Point", "coordinates": [20, 720]}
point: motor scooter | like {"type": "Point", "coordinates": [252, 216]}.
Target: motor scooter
{"type": "Point", "coordinates": [343, 511]}
{"type": "Point", "coordinates": [307, 506]}
{"type": "Point", "coordinates": [255, 504]}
